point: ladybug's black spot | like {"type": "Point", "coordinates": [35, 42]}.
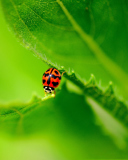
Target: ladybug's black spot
{"type": "Point", "coordinates": [46, 75]}
{"type": "Point", "coordinates": [55, 83]}
{"type": "Point", "coordinates": [56, 72]}
{"type": "Point", "coordinates": [53, 76]}
{"type": "Point", "coordinates": [44, 80]}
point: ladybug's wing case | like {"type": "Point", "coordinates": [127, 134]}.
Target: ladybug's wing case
{"type": "Point", "coordinates": [46, 76]}
{"type": "Point", "coordinates": [44, 80]}
{"type": "Point", "coordinates": [55, 78]}
{"type": "Point", "coordinates": [54, 82]}
{"type": "Point", "coordinates": [51, 78]}
{"type": "Point", "coordinates": [56, 72]}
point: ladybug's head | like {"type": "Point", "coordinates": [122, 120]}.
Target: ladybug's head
{"type": "Point", "coordinates": [48, 89]}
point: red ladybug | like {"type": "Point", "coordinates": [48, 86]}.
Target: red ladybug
{"type": "Point", "coordinates": [51, 79]}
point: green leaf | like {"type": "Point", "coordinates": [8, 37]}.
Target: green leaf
{"type": "Point", "coordinates": [38, 27]}
{"type": "Point", "coordinates": [80, 35]}
{"type": "Point", "coordinates": [106, 99]}
{"type": "Point", "coordinates": [27, 22]}
{"type": "Point", "coordinates": [60, 128]}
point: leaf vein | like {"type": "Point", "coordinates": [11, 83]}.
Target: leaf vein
{"type": "Point", "coordinates": [60, 27]}
{"type": "Point", "coordinates": [34, 38]}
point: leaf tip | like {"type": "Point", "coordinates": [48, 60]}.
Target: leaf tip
{"type": "Point", "coordinates": [73, 74]}
{"type": "Point", "coordinates": [62, 67]}
{"type": "Point", "coordinates": [110, 89]}
{"type": "Point", "coordinates": [110, 83]}
{"type": "Point", "coordinates": [92, 80]}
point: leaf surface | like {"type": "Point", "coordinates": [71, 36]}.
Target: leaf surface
{"type": "Point", "coordinates": [80, 35]}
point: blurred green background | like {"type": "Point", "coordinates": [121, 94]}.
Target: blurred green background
{"type": "Point", "coordinates": [20, 72]}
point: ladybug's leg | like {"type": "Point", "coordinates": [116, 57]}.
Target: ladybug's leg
{"type": "Point", "coordinates": [45, 93]}
{"type": "Point", "coordinates": [63, 73]}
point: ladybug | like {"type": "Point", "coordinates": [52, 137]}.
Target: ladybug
{"type": "Point", "coordinates": [51, 80]}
